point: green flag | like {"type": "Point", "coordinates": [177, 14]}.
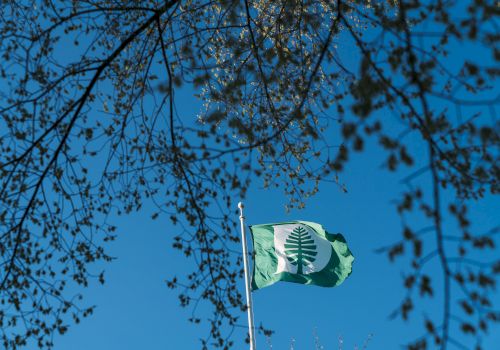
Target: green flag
{"type": "Point", "coordinates": [299, 252]}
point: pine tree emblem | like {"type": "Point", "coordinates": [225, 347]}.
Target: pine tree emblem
{"type": "Point", "coordinates": [300, 249]}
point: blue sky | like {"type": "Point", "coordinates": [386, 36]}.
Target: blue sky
{"type": "Point", "coordinates": [135, 309]}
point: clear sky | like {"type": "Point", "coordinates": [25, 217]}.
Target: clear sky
{"type": "Point", "coordinates": [135, 309]}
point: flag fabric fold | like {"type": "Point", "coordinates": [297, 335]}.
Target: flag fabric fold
{"type": "Point", "coordinates": [300, 252]}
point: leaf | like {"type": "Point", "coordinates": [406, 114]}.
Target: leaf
{"type": "Point", "coordinates": [466, 307]}
{"type": "Point", "coordinates": [425, 286]}
{"type": "Point", "coordinates": [215, 116]}
{"type": "Point", "coordinates": [396, 250]}
{"type": "Point", "coordinates": [467, 328]}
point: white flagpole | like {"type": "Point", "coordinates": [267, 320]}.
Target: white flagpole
{"type": "Point", "coordinates": [251, 328]}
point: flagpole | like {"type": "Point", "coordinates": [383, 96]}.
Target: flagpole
{"type": "Point", "coordinates": [251, 328]}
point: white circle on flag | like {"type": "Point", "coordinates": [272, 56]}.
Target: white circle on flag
{"type": "Point", "coordinates": [323, 250]}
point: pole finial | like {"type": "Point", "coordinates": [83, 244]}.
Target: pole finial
{"type": "Point", "coordinates": [240, 205]}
